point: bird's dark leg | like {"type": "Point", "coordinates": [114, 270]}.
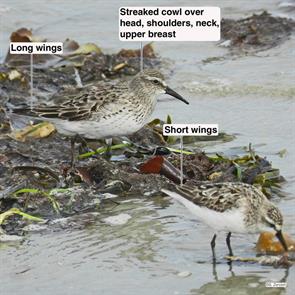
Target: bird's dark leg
{"type": "Point", "coordinates": [108, 153]}
{"type": "Point", "coordinates": [214, 271]}
{"type": "Point", "coordinates": [228, 244]}
{"type": "Point", "coordinates": [78, 138]}
{"type": "Point", "coordinates": [74, 140]}
{"type": "Point", "coordinates": [213, 247]}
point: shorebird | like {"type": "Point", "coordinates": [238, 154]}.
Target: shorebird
{"type": "Point", "coordinates": [230, 207]}
{"type": "Point", "coordinates": [104, 110]}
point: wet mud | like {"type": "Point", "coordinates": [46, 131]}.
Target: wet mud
{"type": "Point", "coordinates": [255, 33]}
{"type": "Point", "coordinates": [36, 176]}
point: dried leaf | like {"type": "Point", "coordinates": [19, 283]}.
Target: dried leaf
{"type": "Point", "coordinates": [154, 123]}
{"type": "Point", "coordinates": [268, 243]}
{"type": "Point", "coordinates": [70, 45]}
{"type": "Point", "coordinates": [21, 35]}
{"type": "Point", "coordinates": [214, 175]}
{"type": "Point", "coordinates": [85, 175]}
{"type": "Point", "coordinates": [25, 35]}
{"type": "Point", "coordinates": [160, 165]}
{"type": "Point", "coordinates": [40, 130]}
{"type": "Point", "coordinates": [3, 158]}
{"type": "Point", "coordinates": [86, 49]}
{"type": "Point", "coordinates": [120, 66]}
{"type": "Point", "coordinates": [3, 76]}
{"type": "Point", "coordinates": [148, 51]}
{"type": "Point", "coordinates": [153, 165]}
{"type": "Point", "coordinates": [14, 74]}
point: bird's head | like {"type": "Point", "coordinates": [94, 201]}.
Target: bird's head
{"type": "Point", "coordinates": [273, 218]}
{"type": "Point", "coordinates": [153, 83]}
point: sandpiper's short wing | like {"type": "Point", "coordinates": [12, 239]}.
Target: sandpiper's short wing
{"type": "Point", "coordinates": [216, 196]}
{"type": "Point", "coordinates": [76, 107]}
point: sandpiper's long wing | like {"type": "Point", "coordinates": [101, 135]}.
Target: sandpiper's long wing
{"type": "Point", "coordinates": [77, 107]}
{"type": "Point", "coordinates": [216, 196]}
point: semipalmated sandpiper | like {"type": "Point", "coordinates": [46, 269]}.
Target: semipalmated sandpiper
{"type": "Point", "coordinates": [230, 207]}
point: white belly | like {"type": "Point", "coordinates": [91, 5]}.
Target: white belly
{"type": "Point", "coordinates": [96, 130]}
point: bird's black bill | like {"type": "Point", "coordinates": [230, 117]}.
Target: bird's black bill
{"type": "Point", "coordinates": [280, 237]}
{"type": "Point", "coordinates": [175, 94]}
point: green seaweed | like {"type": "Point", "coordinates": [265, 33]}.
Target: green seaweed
{"type": "Point", "coordinates": [238, 170]}
{"type": "Point", "coordinates": [13, 211]}
{"type": "Point", "coordinates": [104, 149]}
{"type": "Point", "coordinates": [179, 151]}
{"type": "Point", "coordinates": [48, 195]}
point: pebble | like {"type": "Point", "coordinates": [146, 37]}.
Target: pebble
{"type": "Point", "coordinates": [34, 228]}
{"type": "Point", "coordinates": [184, 274]}
{"type": "Point", "coordinates": [117, 219]}
{"type": "Point", "coordinates": [225, 43]}
{"type": "Point", "coordinates": [10, 238]}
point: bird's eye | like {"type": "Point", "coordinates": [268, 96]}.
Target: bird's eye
{"type": "Point", "coordinates": [156, 81]}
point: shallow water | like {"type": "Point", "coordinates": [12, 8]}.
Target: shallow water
{"type": "Point", "coordinates": [251, 96]}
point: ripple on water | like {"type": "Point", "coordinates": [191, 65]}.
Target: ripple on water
{"type": "Point", "coordinates": [222, 88]}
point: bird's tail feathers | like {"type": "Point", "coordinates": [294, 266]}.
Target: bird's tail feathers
{"type": "Point", "coordinates": [172, 194]}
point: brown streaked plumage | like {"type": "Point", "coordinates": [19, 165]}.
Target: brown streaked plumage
{"type": "Point", "coordinates": [106, 109]}
{"type": "Point", "coordinates": [231, 207]}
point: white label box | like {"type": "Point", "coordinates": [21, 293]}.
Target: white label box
{"type": "Point", "coordinates": [169, 23]}
{"type": "Point", "coordinates": [190, 129]}
{"type": "Point", "coordinates": [36, 48]}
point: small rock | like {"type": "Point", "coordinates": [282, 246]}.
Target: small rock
{"type": "Point", "coordinates": [184, 274]}
{"type": "Point", "coordinates": [225, 43]}
{"type": "Point", "coordinates": [10, 238]}
{"type": "Point", "coordinates": [34, 227]}
{"type": "Point", "coordinates": [108, 196]}
{"type": "Point", "coordinates": [253, 285]}
{"type": "Point", "coordinates": [60, 221]}
{"type": "Point", "coordinates": [118, 219]}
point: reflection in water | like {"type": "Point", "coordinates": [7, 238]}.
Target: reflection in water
{"type": "Point", "coordinates": [223, 88]}
{"type": "Point", "coordinates": [133, 241]}
{"type": "Point", "coordinates": [154, 246]}
{"type": "Point", "coordinates": [240, 284]}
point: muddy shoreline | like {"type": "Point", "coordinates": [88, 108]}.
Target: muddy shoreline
{"type": "Point", "coordinates": [43, 164]}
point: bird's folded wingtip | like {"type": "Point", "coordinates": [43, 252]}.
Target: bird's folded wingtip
{"type": "Point", "coordinates": [165, 191]}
